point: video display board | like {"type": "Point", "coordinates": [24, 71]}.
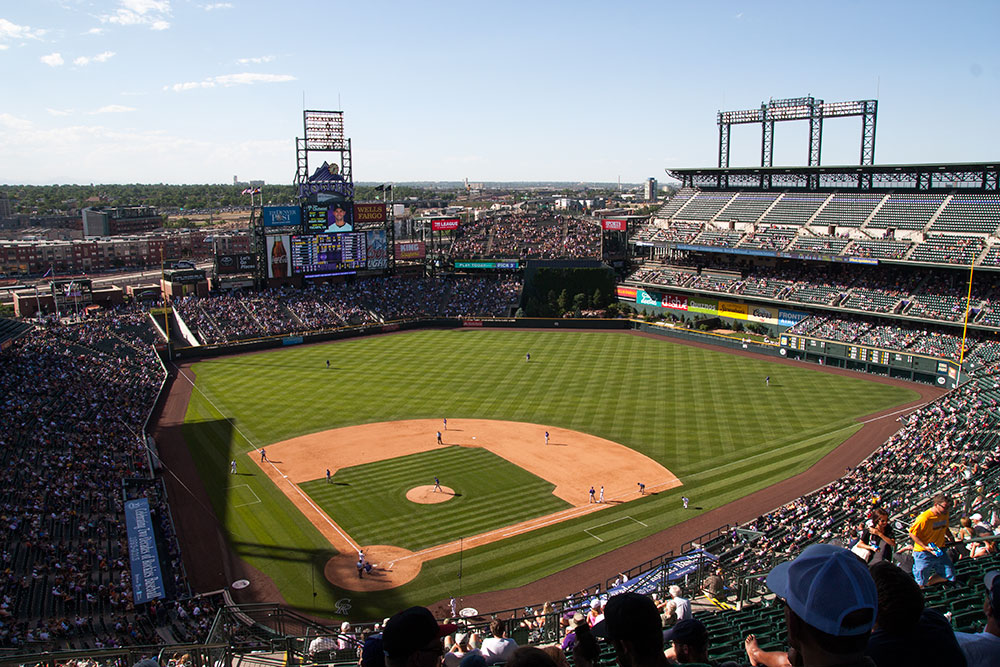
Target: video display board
{"type": "Point", "coordinates": [74, 292]}
{"type": "Point", "coordinates": [329, 217]}
{"type": "Point", "coordinates": [329, 254]}
{"type": "Point", "coordinates": [238, 263]}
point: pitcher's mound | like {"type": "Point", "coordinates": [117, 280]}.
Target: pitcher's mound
{"type": "Point", "coordinates": [426, 495]}
{"type": "Point", "coordinates": [393, 567]}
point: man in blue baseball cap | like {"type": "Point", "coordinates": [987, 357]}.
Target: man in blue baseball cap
{"type": "Point", "coordinates": [830, 606]}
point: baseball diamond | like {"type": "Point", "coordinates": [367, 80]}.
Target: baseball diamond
{"type": "Point", "coordinates": [621, 408]}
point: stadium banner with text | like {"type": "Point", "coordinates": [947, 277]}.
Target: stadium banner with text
{"type": "Point", "coordinates": [147, 580]}
{"type": "Point", "coordinates": [789, 318]}
{"type": "Point", "coordinates": [706, 306]}
{"type": "Point", "coordinates": [414, 250]}
{"type": "Point", "coordinates": [502, 264]}
{"type": "Point", "coordinates": [369, 213]}
{"type": "Point", "coordinates": [444, 224]}
{"type": "Point", "coordinates": [675, 301]}
{"type": "Point", "coordinates": [764, 314]}
{"type": "Point", "coordinates": [273, 218]}
{"type": "Point", "coordinates": [241, 263]}
{"type": "Point", "coordinates": [614, 225]}
{"type": "Point", "coordinates": [629, 293]}
{"type": "Point", "coordinates": [735, 310]}
{"type": "Point", "coordinates": [378, 249]}
{"type": "Point", "coordinates": [279, 258]}
{"type": "Point", "coordinates": [644, 298]}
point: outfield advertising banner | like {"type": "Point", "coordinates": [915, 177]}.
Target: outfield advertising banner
{"type": "Point", "coordinates": [147, 581]}
{"type": "Point", "coordinates": [789, 318]}
{"type": "Point", "coordinates": [734, 310]}
{"type": "Point", "coordinates": [629, 293]}
{"type": "Point", "coordinates": [675, 301]}
{"type": "Point", "coordinates": [706, 306]}
{"type": "Point", "coordinates": [369, 212]}
{"type": "Point", "coordinates": [763, 314]}
{"type": "Point", "coordinates": [644, 298]}
{"type": "Point", "coordinates": [280, 217]}
{"type": "Point", "coordinates": [415, 250]}
{"type": "Point", "coordinates": [614, 225]}
{"type": "Point", "coordinates": [444, 224]}
{"type": "Point", "coordinates": [378, 250]}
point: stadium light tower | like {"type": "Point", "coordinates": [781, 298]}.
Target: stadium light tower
{"type": "Point", "coordinates": [799, 108]}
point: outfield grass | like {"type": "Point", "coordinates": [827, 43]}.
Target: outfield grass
{"type": "Point", "coordinates": [704, 414]}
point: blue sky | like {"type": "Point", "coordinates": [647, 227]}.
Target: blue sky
{"type": "Point", "coordinates": [197, 91]}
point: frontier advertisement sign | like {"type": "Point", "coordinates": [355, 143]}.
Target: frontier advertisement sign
{"type": "Point", "coordinates": [614, 225]}
{"type": "Point", "coordinates": [789, 318]}
{"type": "Point", "coordinates": [444, 224]}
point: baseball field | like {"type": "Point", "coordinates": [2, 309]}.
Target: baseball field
{"type": "Point", "coordinates": [620, 409]}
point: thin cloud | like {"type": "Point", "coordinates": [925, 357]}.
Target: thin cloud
{"type": "Point", "coordinates": [95, 31]}
{"type": "Point", "coordinates": [59, 112]}
{"type": "Point", "coordinates": [113, 108]}
{"type": "Point", "coordinates": [217, 5]}
{"type": "Point", "coordinates": [99, 58]}
{"type": "Point", "coordinates": [227, 80]}
{"type": "Point", "coordinates": [260, 60]}
{"type": "Point", "coordinates": [12, 122]}
{"type": "Point", "coordinates": [53, 60]}
{"type": "Point", "coordinates": [11, 32]}
{"type": "Point", "coordinates": [151, 13]}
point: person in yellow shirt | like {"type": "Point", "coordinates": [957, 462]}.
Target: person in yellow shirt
{"type": "Point", "coordinates": [930, 531]}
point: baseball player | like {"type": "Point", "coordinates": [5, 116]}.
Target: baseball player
{"type": "Point", "coordinates": [327, 363]}
{"type": "Point", "coordinates": [445, 423]}
{"type": "Point", "coordinates": [263, 455]}
{"type": "Point", "coordinates": [591, 494]}
{"type": "Point", "coordinates": [684, 499]}
{"type": "Point", "coordinates": [437, 485]}
{"type": "Point", "coordinates": [328, 479]}
{"type": "Point", "coordinates": [546, 437]}
{"type": "Point", "coordinates": [527, 357]}
{"type": "Point", "coordinates": [439, 438]}
{"type": "Point", "coordinates": [601, 498]}
{"type": "Point", "coordinates": [232, 467]}
{"type": "Point", "coordinates": [767, 381]}
{"type": "Point", "coordinates": [642, 489]}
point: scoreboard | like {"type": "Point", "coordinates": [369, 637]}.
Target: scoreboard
{"type": "Point", "coordinates": [329, 254]}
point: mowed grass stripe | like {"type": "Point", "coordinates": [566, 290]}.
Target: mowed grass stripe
{"type": "Point", "coordinates": [370, 501]}
{"type": "Point", "coordinates": [703, 414]}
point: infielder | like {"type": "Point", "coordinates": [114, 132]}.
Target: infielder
{"type": "Point", "coordinates": [263, 455]}
{"type": "Point", "coordinates": [546, 437]}
{"type": "Point", "coordinates": [437, 485]}
{"type": "Point", "coordinates": [445, 423]}
{"type": "Point", "coordinates": [642, 489]}
{"type": "Point", "coordinates": [439, 438]}
{"type": "Point", "coordinates": [328, 479]}
{"type": "Point", "coordinates": [601, 499]}
{"type": "Point", "coordinates": [591, 494]}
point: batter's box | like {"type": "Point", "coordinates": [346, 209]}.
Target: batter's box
{"type": "Point", "coordinates": [242, 495]}
{"type": "Point", "coordinates": [606, 531]}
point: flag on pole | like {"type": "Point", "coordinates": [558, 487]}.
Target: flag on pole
{"type": "Point", "coordinates": [247, 191]}
{"type": "Point", "coordinates": [48, 273]}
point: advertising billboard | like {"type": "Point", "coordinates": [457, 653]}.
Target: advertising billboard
{"type": "Point", "coordinates": [644, 298]}
{"type": "Point", "coordinates": [501, 264]}
{"type": "Point", "coordinates": [274, 218]}
{"type": "Point", "coordinates": [74, 292]}
{"type": "Point", "coordinates": [675, 301]}
{"type": "Point", "coordinates": [414, 250]}
{"type": "Point", "coordinates": [789, 318]}
{"type": "Point", "coordinates": [329, 217]}
{"type": "Point", "coordinates": [629, 293]}
{"type": "Point", "coordinates": [614, 225]}
{"type": "Point", "coordinates": [444, 224]}
{"type": "Point", "coordinates": [279, 256]}
{"type": "Point", "coordinates": [377, 250]}
{"type": "Point", "coordinates": [369, 213]}
{"type": "Point", "coordinates": [763, 314]}
{"type": "Point", "coordinates": [735, 310]}
{"type": "Point", "coordinates": [706, 306]}
{"type": "Point", "coordinates": [328, 254]}
{"type": "Point", "coordinates": [240, 263]}
{"type": "Point", "coordinates": [144, 561]}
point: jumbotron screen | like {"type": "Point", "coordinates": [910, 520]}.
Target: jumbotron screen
{"type": "Point", "coordinates": [329, 254]}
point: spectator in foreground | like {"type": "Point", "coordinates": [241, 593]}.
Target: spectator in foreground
{"type": "Point", "coordinates": [983, 648]}
{"type": "Point", "coordinates": [632, 624]}
{"type": "Point", "coordinates": [904, 628]}
{"type": "Point", "coordinates": [689, 644]}
{"type": "Point", "coordinates": [830, 605]}
{"type": "Point", "coordinates": [931, 565]}
{"type": "Point", "coordinates": [412, 638]}
{"type": "Point", "coordinates": [497, 647]}
{"type": "Point", "coordinates": [530, 656]}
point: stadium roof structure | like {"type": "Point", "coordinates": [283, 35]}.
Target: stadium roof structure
{"type": "Point", "coordinates": [948, 177]}
{"type": "Point", "coordinates": [11, 330]}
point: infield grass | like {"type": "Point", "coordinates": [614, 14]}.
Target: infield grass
{"type": "Point", "coordinates": [706, 415]}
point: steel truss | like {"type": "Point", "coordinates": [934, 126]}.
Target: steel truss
{"type": "Point", "coordinates": [969, 177]}
{"type": "Point", "coordinates": [799, 108]}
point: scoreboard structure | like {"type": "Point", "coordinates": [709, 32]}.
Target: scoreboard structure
{"type": "Point", "coordinates": [325, 234]}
